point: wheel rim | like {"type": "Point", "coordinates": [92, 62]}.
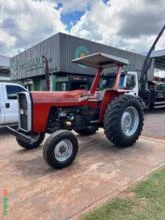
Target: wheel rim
{"type": "Point", "coordinates": [130, 121]}
{"type": "Point", "coordinates": [63, 150]}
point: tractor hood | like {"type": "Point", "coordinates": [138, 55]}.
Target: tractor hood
{"type": "Point", "coordinates": [60, 98]}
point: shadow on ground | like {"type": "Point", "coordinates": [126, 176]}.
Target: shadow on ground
{"type": "Point", "coordinates": [4, 130]}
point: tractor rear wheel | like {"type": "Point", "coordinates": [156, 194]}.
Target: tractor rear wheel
{"type": "Point", "coordinates": [123, 120]}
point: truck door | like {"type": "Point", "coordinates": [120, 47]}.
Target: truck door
{"type": "Point", "coordinates": [11, 104]}
{"type": "Point", "coordinates": [131, 83]}
{"type": "Point", "coordinates": [2, 106]}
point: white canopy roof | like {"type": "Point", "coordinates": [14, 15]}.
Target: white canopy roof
{"type": "Point", "coordinates": [101, 60]}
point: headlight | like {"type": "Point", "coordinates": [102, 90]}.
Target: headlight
{"type": "Point", "coordinates": [25, 113]}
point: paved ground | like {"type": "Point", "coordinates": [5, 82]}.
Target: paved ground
{"type": "Point", "coordinates": [99, 172]}
{"type": "Point", "coordinates": [154, 125]}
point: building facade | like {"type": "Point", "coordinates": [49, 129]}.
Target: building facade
{"type": "Point", "coordinates": [59, 50]}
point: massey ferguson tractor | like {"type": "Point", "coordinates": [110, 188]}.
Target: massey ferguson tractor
{"type": "Point", "coordinates": [106, 105]}
{"type": "Point", "coordinates": [59, 112]}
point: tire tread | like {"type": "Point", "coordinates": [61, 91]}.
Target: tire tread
{"type": "Point", "coordinates": [112, 120]}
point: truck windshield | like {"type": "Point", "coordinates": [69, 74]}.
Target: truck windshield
{"type": "Point", "coordinates": [107, 82]}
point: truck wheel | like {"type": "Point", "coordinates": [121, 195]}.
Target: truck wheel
{"type": "Point", "coordinates": [123, 121]}
{"type": "Point", "coordinates": [60, 149]}
{"type": "Point", "coordinates": [38, 138]}
{"type": "Point", "coordinates": [86, 131]}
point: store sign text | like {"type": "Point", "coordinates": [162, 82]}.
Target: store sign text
{"type": "Point", "coordinates": [32, 64]}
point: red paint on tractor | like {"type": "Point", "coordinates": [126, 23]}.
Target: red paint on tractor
{"type": "Point", "coordinates": [43, 101]}
{"type": "Point", "coordinates": [108, 97]}
{"type": "Point", "coordinates": [117, 81]}
{"type": "Point", "coordinates": [96, 81]}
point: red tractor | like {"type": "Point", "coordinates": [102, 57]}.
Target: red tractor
{"type": "Point", "coordinates": [59, 112]}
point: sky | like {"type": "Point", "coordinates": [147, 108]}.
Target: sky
{"type": "Point", "coordinates": [127, 24]}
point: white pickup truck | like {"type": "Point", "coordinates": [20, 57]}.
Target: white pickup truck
{"type": "Point", "coordinates": [8, 102]}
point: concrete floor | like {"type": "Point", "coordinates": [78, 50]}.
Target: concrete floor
{"type": "Point", "coordinates": [99, 172]}
{"type": "Point", "coordinates": [154, 125]}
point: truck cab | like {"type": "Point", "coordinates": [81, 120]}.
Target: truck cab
{"type": "Point", "coordinates": [8, 102]}
{"type": "Point", "coordinates": [128, 81]}
{"type": "Point", "coordinates": [131, 83]}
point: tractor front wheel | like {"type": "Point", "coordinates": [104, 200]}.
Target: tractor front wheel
{"type": "Point", "coordinates": [123, 121]}
{"type": "Point", "coordinates": [60, 149]}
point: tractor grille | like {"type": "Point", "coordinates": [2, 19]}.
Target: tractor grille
{"type": "Point", "coordinates": [23, 107]}
{"type": "Point", "coordinates": [23, 122]}
{"type": "Point", "coordinates": [22, 101]}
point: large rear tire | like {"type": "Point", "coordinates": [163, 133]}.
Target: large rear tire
{"type": "Point", "coordinates": [123, 121]}
{"type": "Point", "coordinates": [60, 149]}
{"type": "Point", "coordinates": [38, 138]}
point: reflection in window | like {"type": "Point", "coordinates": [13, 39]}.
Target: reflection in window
{"type": "Point", "coordinates": [130, 84]}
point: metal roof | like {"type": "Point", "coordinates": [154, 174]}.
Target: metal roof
{"type": "Point", "coordinates": [101, 60]}
{"type": "Point", "coordinates": [159, 57]}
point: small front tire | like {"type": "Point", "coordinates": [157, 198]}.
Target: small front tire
{"type": "Point", "coordinates": [60, 149]}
